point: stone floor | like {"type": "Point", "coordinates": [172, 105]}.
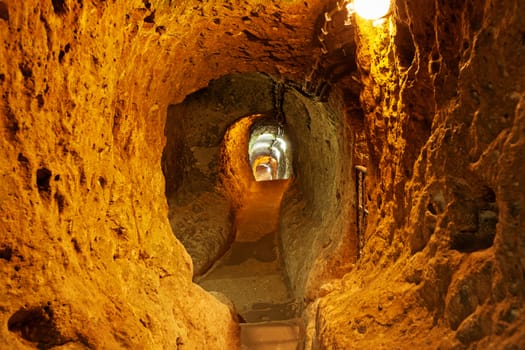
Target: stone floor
{"type": "Point", "coordinates": [277, 335]}
{"type": "Point", "coordinates": [251, 273]}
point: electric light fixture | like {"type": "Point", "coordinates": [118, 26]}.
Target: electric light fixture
{"type": "Point", "coordinates": [369, 9]}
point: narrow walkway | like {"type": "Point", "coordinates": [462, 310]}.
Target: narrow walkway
{"type": "Point", "coordinates": [276, 335]}
{"type": "Point", "coordinates": [251, 274]}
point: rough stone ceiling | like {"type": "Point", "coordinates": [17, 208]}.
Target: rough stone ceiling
{"type": "Point", "coordinates": [87, 255]}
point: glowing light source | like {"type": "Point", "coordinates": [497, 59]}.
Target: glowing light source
{"type": "Point", "coordinates": [370, 9]}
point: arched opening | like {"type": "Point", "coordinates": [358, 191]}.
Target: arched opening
{"type": "Point", "coordinates": [251, 273]}
{"type": "Point", "coordinates": [262, 243]}
{"type": "Point", "coordinates": [269, 151]}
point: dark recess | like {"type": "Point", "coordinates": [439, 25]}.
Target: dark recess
{"type": "Point", "coordinates": [36, 325]}
{"type": "Point", "coordinates": [486, 218]}
{"type": "Point", "coordinates": [4, 11]}
{"type": "Point", "coordinates": [59, 6]}
{"type": "Point", "coordinates": [43, 176]}
{"type": "Point", "coordinates": [150, 18]}
{"type": "Point", "coordinates": [6, 253]}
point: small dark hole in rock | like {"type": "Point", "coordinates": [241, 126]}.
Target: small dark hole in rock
{"type": "Point", "coordinates": [36, 325]}
{"type": "Point", "coordinates": [61, 202]}
{"type": "Point", "coordinates": [6, 253]}
{"type": "Point", "coordinates": [2, 77]}
{"type": "Point", "coordinates": [57, 177]}
{"type": "Point", "coordinates": [488, 195]}
{"type": "Point", "coordinates": [76, 245]}
{"type": "Point", "coordinates": [434, 67]}
{"type": "Point", "coordinates": [61, 55]}
{"type": "Point", "coordinates": [119, 231]}
{"type": "Point", "coordinates": [22, 159]}
{"type": "Point", "coordinates": [59, 6]}
{"type": "Point", "coordinates": [150, 18]}
{"type": "Point", "coordinates": [471, 241]}
{"type": "Point", "coordinates": [12, 123]}
{"type": "Point", "coordinates": [4, 11]}
{"type": "Point", "coordinates": [102, 182]}
{"type": "Point", "coordinates": [40, 100]}
{"type": "Point", "coordinates": [431, 209]}
{"type": "Point", "coordinates": [67, 48]}
{"type": "Point", "coordinates": [17, 268]}
{"type": "Point", "coordinates": [26, 70]}
{"type": "Point", "coordinates": [43, 176]}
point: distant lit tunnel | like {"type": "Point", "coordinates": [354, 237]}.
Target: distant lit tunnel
{"type": "Point", "coordinates": [269, 151]}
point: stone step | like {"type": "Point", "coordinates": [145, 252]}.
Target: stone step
{"type": "Point", "coordinates": [256, 298]}
{"type": "Point", "coordinates": [276, 335]}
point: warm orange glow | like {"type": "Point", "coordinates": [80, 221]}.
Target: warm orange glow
{"type": "Point", "coordinates": [370, 9]}
{"type": "Point", "coordinates": [265, 168]}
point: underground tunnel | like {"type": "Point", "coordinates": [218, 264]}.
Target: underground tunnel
{"type": "Point", "coordinates": [262, 174]}
{"type": "Point", "coordinates": [225, 216]}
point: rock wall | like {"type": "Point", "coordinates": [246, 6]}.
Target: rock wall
{"type": "Point", "coordinates": [87, 255]}
{"type": "Point", "coordinates": [443, 266]}
{"type": "Point", "coordinates": [317, 215]}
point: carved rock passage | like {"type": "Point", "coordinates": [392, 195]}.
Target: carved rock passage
{"type": "Point", "coordinates": [87, 256]}
{"type": "Point", "coordinates": [443, 265]}
{"type": "Point", "coordinates": [85, 89]}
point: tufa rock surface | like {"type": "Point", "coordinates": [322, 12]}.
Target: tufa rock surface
{"type": "Point", "coordinates": [431, 102]}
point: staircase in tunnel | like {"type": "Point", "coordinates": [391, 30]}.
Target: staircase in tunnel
{"type": "Point", "coordinates": [251, 274]}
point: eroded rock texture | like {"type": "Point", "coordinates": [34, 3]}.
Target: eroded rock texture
{"type": "Point", "coordinates": [88, 258]}
{"type": "Point", "coordinates": [443, 266]}
{"type": "Point", "coordinates": [87, 255]}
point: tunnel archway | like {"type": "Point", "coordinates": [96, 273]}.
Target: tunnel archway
{"type": "Point", "coordinates": [214, 129]}
{"type": "Point", "coordinates": [269, 151]}
{"type": "Point", "coordinates": [251, 272]}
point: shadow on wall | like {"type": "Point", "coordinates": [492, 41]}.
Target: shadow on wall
{"type": "Point", "coordinates": [318, 213]}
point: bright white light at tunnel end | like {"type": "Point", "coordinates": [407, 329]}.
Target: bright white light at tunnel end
{"type": "Point", "coordinates": [369, 9]}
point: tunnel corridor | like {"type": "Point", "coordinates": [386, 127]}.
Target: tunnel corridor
{"type": "Point", "coordinates": [261, 252]}
{"type": "Point", "coordinates": [251, 273]}
{"type": "Point", "coordinates": [280, 174]}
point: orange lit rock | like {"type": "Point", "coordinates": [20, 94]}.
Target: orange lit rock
{"type": "Point", "coordinates": [432, 103]}
{"type": "Point", "coordinates": [443, 96]}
